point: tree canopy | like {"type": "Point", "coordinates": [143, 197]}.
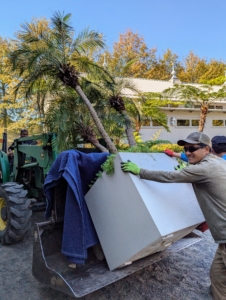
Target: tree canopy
{"type": "Point", "coordinates": [49, 62]}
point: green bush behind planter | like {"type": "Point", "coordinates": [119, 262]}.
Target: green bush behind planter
{"type": "Point", "coordinates": [161, 147]}
{"type": "Point", "coordinates": [142, 147]}
{"type": "Point", "coordinates": [157, 146]}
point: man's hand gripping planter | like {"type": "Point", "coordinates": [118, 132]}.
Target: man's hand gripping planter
{"type": "Point", "coordinates": [130, 167]}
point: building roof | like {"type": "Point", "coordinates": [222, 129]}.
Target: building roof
{"type": "Point", "coordinates": [157, 86]}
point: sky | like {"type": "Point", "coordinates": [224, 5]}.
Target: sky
{"type": "Point", "coordinates": [179, 25]}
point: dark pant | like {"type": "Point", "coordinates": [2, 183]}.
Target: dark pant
{"type": "Point", "coordinates": [218, 273]}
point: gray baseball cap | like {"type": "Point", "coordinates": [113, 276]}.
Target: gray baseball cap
{"type": "Point", "coordinates": [195, 138]}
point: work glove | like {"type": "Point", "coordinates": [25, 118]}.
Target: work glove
{"type": "Point", "coordinates": [169, 152]}
{"type": "Point", "coordinates": [202, 227]}
{"type": "Point", "coordinates": [182, 164]}
{"type": "Point", "coordinates": [179, 167]}
{"type": "Point", "coordinates": [130, 167]}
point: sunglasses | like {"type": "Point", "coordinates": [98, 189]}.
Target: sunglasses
{"type": "Point", "coordinates": [192, 148]}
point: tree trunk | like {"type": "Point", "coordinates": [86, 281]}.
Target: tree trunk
{"type": "Point", "coordinates": [137, 126]}
{"type": "Point", "coordinates": [129, 129]}
{"type": "Point", "coordinates": [99, 146]}
{"type": "Point", "coordinates": [203, 114]}
{"type": "Point", "coordinates": [103, 133]}
{"type": "Point", "coordinates": [4, 110]}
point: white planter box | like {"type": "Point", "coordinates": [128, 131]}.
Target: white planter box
{"type": "Point", "coordinates": [134, 217]}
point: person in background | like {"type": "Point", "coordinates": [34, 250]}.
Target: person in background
{"type": "Point", "coordinates": [10, 159]}
{"type": "Point", "coordinates": [218, 148]}
{"type": "Point", "coordinates": [10, 155]}
{"type": "Point", "coordinates": [207, 174]}
{"type": "Point", "coordinates": [24, 133]}
{"type": "Point", "coordinates": [181, 155]}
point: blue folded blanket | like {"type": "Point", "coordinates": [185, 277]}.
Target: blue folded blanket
{"type": "Point", "coordinates": [78, 169]}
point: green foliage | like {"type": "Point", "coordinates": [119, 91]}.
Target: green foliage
{"type": "Point", "coordinates": [56, 56]}
{"type": "Point", "coordinates": [214, 81]}
{"type": "Point", "coordinates": [108, 165]}
{"type": "Point", "coordinates": [54, 144]}
{"type": "Point", "coordinates": [145, 147]}
{"type": "Point", "coordinates": [151, 108]}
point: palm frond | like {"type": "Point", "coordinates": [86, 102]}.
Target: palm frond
{"type": "Point", "coordinates": [86, 66]}
{"type": "Point", "coordinates": [61, 22]}
{"type": "Point", "coordinates": [87, 40]}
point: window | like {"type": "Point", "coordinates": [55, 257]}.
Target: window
{"type": "Point", "coordinates": [211, 107]}
{"type": "Point", "coordinates": [219, 107]}
{"type": "Point", "coordinates": [183, 122]}
{"type": "Point", "coordinates": [173, 105]}
{"type": "Point", "coordinates": [218, 122]}
{"type": "Point", "coordinates": [155, 123]}
{"type": "Point", "coordinates": [197, 106]}
{"type": "Point", "coordinates": [188, 105]}
{"type": "Point", "coordinates": [146, 122]}
{"type": "Point", "coordinates": [163, 105]}
{"type": "Point", "coordinates": [194, 122]}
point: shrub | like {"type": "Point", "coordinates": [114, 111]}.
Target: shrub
{"type": "Point", "coordinates": [161, 147]}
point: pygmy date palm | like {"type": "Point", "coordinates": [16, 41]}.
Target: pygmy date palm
{"type": "Point", "coordinates": [115, 96]}
{"type": "Point", "coordinates": [54, 54]}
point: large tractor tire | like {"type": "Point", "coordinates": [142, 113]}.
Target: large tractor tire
{"type": "Point", "coordinates": [15, 214]}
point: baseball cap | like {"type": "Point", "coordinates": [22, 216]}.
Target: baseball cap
{"type": "Point", "coordinates": [219, 143]}
{"type": "Point", "coordinates": [195, 138]}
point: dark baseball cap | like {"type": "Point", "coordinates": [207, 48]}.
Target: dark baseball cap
{"type": "Point", "coordinates": [219, 143]}
{"type": "Point", "coordinates": [195, 138]}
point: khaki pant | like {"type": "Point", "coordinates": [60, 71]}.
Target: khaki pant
{"type": "Point", "coordinates": [218, 273]}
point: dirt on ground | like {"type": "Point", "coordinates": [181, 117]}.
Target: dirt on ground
{"type": "Point", "coordinates": [182, 276]}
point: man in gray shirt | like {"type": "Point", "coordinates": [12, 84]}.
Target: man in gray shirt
{"type": "Point", "coordinates": [207, 174]}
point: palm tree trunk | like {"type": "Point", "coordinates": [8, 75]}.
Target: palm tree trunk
{"type": "Point", "coordinates": [129, 129]}
{"type": "Point", "coordinates": [137, 126]}
{"type": "Point", "coordinates": [99, 146]}
{"type": "Point", "coordinates": [103, 133]}
{"type": "Point", "coordinates": [203, 115]}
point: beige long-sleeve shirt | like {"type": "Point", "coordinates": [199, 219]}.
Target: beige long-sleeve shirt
{"type": "Point", "coordinates": [208, 178]}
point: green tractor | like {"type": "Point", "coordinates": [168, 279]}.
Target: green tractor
{"type": "Point", "coordinates": [21, 189]}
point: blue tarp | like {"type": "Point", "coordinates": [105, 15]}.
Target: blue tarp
{"type": "Point", "coordinates": [78, 169]}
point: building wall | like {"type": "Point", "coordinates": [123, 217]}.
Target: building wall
{"type": "Point", "coordinates": [179, 132]}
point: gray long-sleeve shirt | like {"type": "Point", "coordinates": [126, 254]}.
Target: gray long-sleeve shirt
{"type": "Point", "coordinates": [208, 178]}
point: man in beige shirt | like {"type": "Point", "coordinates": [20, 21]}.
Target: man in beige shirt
{"type": "Point", "coordinates": [207, 174]}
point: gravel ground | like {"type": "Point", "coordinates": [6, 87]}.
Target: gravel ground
{"type": "Point", "coordinates": [182, 276]}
